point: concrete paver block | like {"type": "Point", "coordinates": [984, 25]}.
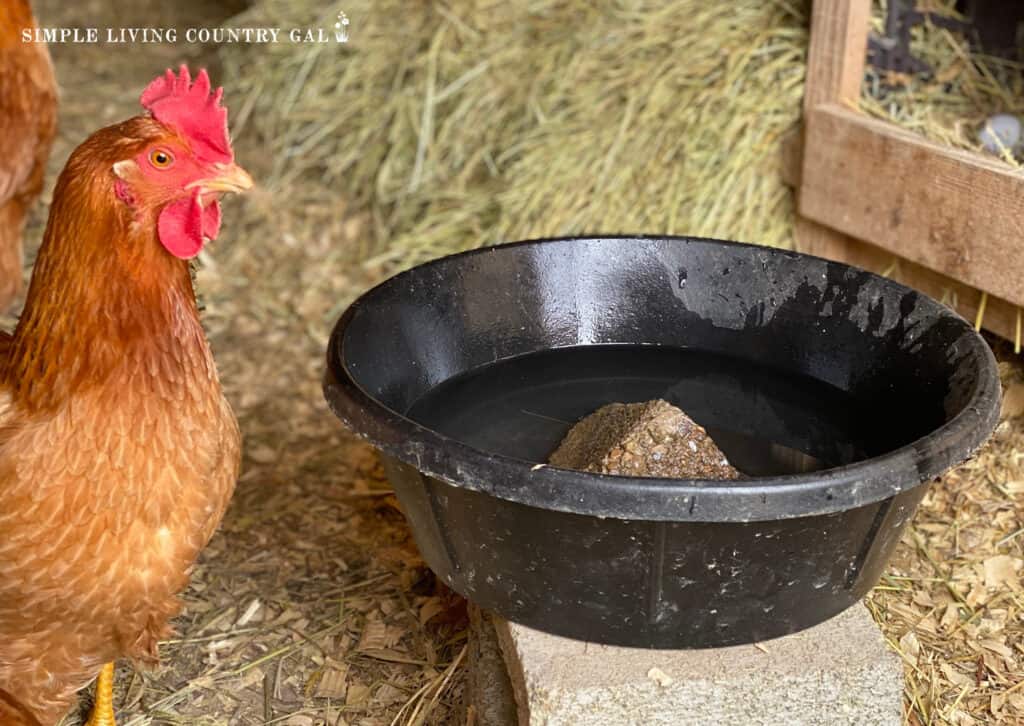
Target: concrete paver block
{"type": "Point", "coordinates": [836, 673]}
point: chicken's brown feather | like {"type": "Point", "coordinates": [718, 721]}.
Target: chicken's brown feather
{"type": "Point", "coordinates": [13, 713]}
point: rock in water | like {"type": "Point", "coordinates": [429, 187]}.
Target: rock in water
{"type": "Point", "coordinates": [653, 439]}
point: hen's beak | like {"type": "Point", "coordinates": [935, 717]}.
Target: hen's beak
{"type": "Point", "coordinates": [230, 178]}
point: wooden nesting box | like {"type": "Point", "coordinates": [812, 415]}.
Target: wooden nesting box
{"type": "Point", "coordinates": [947, 222]}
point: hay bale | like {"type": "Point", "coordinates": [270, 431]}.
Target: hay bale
{"type": "Point", "coordinates": [481, 122]}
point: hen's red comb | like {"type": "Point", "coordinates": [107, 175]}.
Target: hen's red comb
{"type": "Point", "coordinates": [192, 110]}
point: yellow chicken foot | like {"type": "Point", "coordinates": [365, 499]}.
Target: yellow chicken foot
{"type": "Point", "coordinates": [103, 709]}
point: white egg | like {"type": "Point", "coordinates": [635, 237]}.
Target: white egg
{"type": "Point", "coordinates": [1002, 131]}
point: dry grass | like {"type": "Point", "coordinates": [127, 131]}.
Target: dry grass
{"type": "Point", "coordinates": [457, 125]}
{"type": "Point", "coordinates": [311, 605]}
{"type": "Point", "coordinates": [952, 105]}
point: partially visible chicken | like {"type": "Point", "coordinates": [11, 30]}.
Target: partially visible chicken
{"type": "Point", "coordinates": [118, 450]}
{"type": "Point", "coordinates": [28, 123]}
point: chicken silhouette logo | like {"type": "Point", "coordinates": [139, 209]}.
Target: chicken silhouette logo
{"type": "Point", "coordinates": [341, 28]}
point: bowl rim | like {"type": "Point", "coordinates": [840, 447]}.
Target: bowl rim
{"type": "Point", "coordinates": [828, 491]}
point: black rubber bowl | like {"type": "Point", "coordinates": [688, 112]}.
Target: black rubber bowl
{"type": "Point", "coordinates": [657, 562]}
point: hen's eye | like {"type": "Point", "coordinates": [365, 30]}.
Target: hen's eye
{"type": "Point", "coordinates": [160, 159]}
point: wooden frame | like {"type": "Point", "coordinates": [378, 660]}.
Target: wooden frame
{"type": "Point", "coordinates": [948, 222]}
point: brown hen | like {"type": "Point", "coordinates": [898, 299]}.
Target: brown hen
{"type": "Point", "coordinates": [28, 123]}
{"type": "Point", "coordinates": [118, 450]}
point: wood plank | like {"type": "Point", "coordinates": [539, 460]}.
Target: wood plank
{"type": "Point", "coordinates": [837, 51]}
{"type": "Point", "coordinates": [810, 237]}
{"type": "Point", "coordinates": [957, 213]}
{"type": "Point", "coordinates": [791, 156]}
{"type": "Point", "coordinates": [1000, 316]}
{"type": "Point", "coordinates": [814, 239]}
{"type": "Point", "coordinates": [835, 69]}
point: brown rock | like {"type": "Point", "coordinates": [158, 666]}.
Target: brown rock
{"type": "Point", "coordinates": [653, 439]}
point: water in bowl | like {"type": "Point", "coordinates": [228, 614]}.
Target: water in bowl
{"type": "Point", "coordinates": [766, 421]}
